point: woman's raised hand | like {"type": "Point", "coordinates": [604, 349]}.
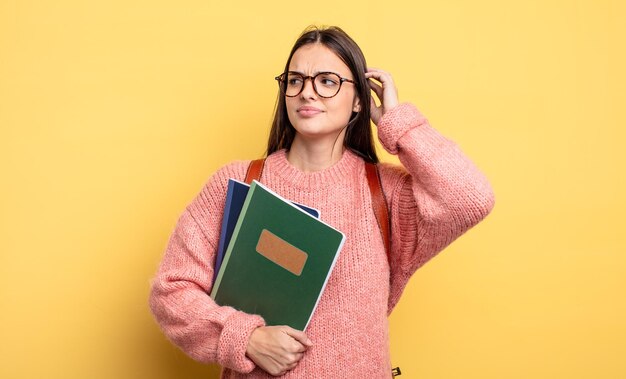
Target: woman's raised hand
{"type": "Point", "coordinates": [386, 92]}
{"type": "Point", "coordinates": [277, 349]}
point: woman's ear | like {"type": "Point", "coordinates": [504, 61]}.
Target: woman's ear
{"type": "Point", "coordinates": [356, 105]}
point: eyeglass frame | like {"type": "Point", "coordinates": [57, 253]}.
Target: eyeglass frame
{"type": "Point", "coordinates": [280, 79]}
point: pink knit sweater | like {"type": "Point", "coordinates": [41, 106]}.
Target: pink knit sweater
{"type": "Point", "coordinates": [437, 196]}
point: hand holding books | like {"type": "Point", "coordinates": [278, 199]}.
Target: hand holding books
{"type": "Point", "coordinates": [277, 349]}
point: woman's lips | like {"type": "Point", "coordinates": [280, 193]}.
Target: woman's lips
{"type": "Point", "coordinates": [308, 111]}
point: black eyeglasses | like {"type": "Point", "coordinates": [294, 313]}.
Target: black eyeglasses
{"type": "Point", "coordinates": [325, 84]}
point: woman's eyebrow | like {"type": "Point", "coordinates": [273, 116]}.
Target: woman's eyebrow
{"type": "Point", "coordinates": [315, 73]}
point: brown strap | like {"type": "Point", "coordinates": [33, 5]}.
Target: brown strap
{"type": "Point", "coordinates": [376, 190]}
{"type": "Point", "coordinates": [380, 205]}
{"type": "Point", "coordinates": [254, 170]}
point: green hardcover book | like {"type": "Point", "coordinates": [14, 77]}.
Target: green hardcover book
{"type": "Point", "coordinates": [278, 260]}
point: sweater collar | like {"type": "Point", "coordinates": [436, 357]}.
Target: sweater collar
{"type": "Point", "coordinates": [279, 166]}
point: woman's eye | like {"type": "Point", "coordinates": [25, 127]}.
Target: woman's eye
{"type": "Point", "coordinates": [294, 81]}
{"type": "Point", "coordinates": [329, 81]}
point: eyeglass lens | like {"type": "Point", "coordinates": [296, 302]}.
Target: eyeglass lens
{"type": "Point", "coordinates": [325, 84]}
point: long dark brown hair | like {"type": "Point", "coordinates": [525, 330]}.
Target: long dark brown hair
{"type": "Point", "coordinates": [358, 136]}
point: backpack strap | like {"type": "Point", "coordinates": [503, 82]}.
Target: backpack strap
{"type": "Point", "coordinates": [255, 170]}
{"type": "Point", "coordinates": [380, 205]}
{"type": "Point", "coordinates": [376, 190]}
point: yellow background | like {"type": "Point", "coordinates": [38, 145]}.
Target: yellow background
{"type": "Point", "coordinates": [114, 113]}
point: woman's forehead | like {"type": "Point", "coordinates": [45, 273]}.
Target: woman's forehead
{"type": "Point", "coordinates": [313, 58]}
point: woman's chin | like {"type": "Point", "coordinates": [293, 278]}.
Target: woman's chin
{"type": "Point", "coordinates": [318, 134]}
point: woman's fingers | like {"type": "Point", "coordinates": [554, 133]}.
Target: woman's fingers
{"type": "Point", "coordinates": [386, 92]}
{"type": "Point", "coordinates": [376, 88]}
{"type": "Point", "coordinates": [277, 349]}
{"type": "Point", "coordinates": [298, 336]}
{"type": "Point", "coordinates": [382, 76]}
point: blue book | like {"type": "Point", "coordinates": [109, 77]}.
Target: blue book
{"type": "Point", "coordinates": [235, 197]}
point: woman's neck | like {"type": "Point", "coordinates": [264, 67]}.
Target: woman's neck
{"type": "Point", "coordinates": [310, 156]}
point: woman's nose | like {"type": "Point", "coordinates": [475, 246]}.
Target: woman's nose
{"type": "Point", "coordinates": [308, 91]}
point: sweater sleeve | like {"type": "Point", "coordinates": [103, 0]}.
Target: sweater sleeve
{"type": "Point", "coordinates": [179, 296]}
{"type": "Point", "coordinates": [438, 196]}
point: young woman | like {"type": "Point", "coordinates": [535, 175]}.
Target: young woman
{"type": "Point", "coordinates": [319, 143]}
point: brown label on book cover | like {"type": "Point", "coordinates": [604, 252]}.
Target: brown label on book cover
{"type": "Point", "coordinates": [281, 252]}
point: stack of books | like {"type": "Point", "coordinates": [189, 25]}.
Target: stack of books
{"type": "Point", "coordinates": [274, 256]}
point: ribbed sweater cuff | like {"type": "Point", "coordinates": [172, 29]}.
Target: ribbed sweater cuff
{"type": "Point", "coordinates": [234, 341]}
{"type": "Point", "coordinates": [397, 122]}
